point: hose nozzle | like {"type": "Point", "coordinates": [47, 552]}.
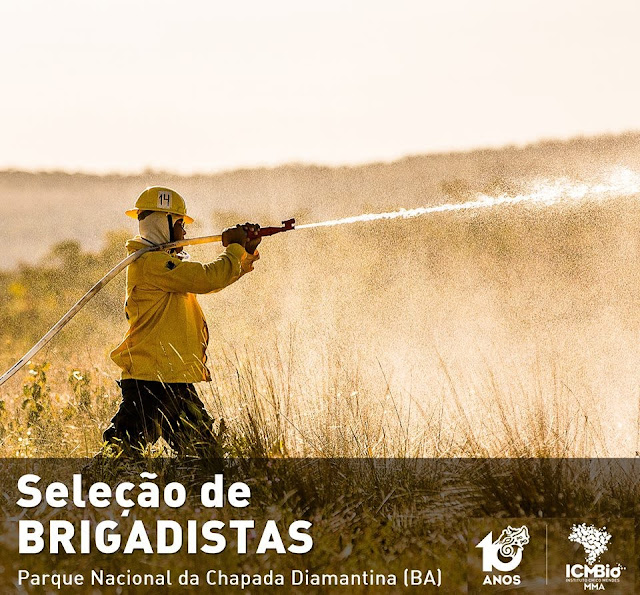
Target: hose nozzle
{"type": "Point", "coordinates": [287, 225]}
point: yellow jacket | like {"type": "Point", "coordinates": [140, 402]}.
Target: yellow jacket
{"type": "Point", "coordinates": [168, 336]}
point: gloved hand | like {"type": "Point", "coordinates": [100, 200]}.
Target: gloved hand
{"type": "Point", "coordinates": [252, 242]}
{"type": "Point", "coordinates": [234, 235]}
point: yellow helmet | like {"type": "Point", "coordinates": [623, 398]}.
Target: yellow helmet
{"type": "Point", "coordinates": [159, 198]}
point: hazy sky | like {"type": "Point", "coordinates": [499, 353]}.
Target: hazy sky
{"type": "Point", "coordinates": [209, 85]}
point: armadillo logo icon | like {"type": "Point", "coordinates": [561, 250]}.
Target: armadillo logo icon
{"type": "Point", "coordinates": [505, 553]}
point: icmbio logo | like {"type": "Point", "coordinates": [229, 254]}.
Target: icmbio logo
{"type": "Point", "coordinates": [595, 542]}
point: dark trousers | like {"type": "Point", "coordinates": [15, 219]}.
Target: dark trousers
{"type": "Point", "coordinates": [171, 410]}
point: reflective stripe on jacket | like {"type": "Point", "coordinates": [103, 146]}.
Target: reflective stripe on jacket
{"type": "Point", "coordinates": [167, 337]}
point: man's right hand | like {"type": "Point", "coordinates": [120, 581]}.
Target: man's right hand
{"type": "Point", "coordinates": [234, 235]}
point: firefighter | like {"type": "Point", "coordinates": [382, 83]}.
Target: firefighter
{"type": "Point", "coordinates": [163, 352]}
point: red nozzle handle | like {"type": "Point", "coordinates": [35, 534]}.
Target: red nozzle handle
{"type": "Point", "coordinates": [287, 225]}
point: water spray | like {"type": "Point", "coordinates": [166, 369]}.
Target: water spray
{"type": "Point", "coordinates": [622, 182]}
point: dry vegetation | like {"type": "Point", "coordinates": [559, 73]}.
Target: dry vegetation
{"type": "Point", "coordinates": [496, 333]}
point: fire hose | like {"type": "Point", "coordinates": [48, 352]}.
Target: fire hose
{"type": "Point", "coordinates": [287, 225]}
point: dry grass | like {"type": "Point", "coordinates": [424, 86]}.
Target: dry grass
{"type": "Point", "coordinates": [272, 406]}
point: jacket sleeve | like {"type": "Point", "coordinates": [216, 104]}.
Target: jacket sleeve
{"type": "Point", "coordinates": [171, 274]}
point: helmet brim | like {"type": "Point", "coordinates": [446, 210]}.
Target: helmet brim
{"type": "Point", "coordinates": [133, 213]}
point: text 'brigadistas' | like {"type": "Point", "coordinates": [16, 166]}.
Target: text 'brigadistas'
{"type": "Point", "coordinates": [169, 536]}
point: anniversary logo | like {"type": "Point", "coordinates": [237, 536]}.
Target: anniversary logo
{"type": "Point", "coordinates": [316, 297]}
{"type": "Point", "coordinates": [504, 554]}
